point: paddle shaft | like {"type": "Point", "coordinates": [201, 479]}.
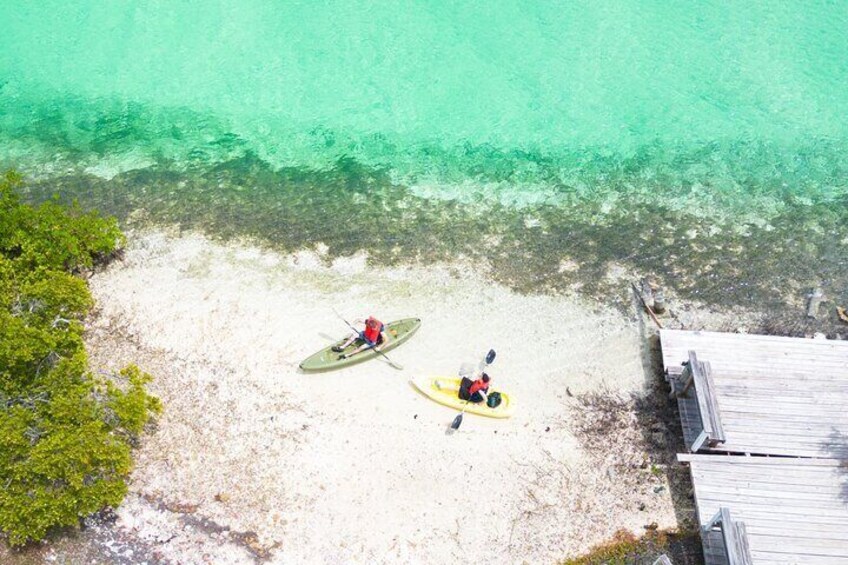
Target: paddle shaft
{"type": "Point", "coordinates": [464, 406]}
{"type": "Point", "coordinates": [392, 363]}
{"type": "Point", "coordinates": [467, 402]}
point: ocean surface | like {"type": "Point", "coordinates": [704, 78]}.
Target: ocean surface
{"type": "Point", "coordinates": [557, 143]}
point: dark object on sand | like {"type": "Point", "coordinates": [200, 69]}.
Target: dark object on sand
{"type": "Point", "coordinates": [815, 301]}
{"type": "Point", "coordinates": [659, 301]}
{"type": "Point", "coordinates": [645, 304]}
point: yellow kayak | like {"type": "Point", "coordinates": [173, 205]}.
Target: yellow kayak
{"type": "Point", "coordinates": [445, 390]}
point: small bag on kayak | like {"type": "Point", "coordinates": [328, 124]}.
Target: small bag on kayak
{"type": "Point", "coordinates": [493, 400]}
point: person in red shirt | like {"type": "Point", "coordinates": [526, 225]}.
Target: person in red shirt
{"type": "Point", "coordinates": [475, 391]}
{"type": "Point", "coordinates": [373, 336]}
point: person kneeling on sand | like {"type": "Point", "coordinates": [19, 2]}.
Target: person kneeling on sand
{"type": "Point", "coordinates": [475, 391]}
{"type": "Point", "coordinates": [373, 336]}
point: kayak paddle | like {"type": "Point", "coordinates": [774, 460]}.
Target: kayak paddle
{"type": "Point", "coordinates": [392, 363]}
{"type": "Point", "coordinates": [490, 356]}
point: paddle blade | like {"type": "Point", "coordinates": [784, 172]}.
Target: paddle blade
{"type": "Point", "coordinates": [490, 356]}
{"type": "Point", "coordinates": [456, 422]}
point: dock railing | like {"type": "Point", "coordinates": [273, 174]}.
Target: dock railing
{"type": "Point", "coordinates": [697, 375]}
{"type": "Point", "coordinates": [733, 535]}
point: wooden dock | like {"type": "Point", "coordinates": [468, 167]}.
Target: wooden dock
{"type": "Point", "coordinates": [766, 421]}
{"type": "Point", "coordinates": [774, 395]}
{"type": "Point", "coordinates": [792, 510]}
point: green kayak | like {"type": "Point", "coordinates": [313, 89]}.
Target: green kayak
{"type": "Point", "coordinates": [326, 360]}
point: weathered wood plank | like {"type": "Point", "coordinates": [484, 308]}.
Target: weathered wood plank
{"type": "Point", "coordinates": [744, 387]}
{"type": "Point", "coordinates": [798, 479]}
{"type": "Point", "coordinates": [718, 462]}
{"type": "Point", "coordinates": [801, 360]}
{"type": "Point", "coordinates": [793, 527]}
{"type": "Point", "coordinates": [773, 439]}
{"type": "Point", "coordinates": [700, 441]}
{"type": "Point", "coordinates": [717, 435]}
{"type": "Point", "coordinates": [803, 546]}
{"type": "Point", "coordinates": [747, 448]}
{"type": "Point", "coordinates": [784, 403]}
{"type": "Point", "coordinates": [741, 550]}
{"type": "Point", "coordinates": [768, 494]}
{"type": "Point", "coordinates": [771, 558]}
{"type": "Point", "coordinates": [748, 338]}
{"type": "Point", "coordinates": [797, 484]}
{"type": "Point", "coordinates": [735, 408]}
{"type": "Point", "coordinates": [795, 349]}
{"type": "Point", "coordinates": [677, 340]}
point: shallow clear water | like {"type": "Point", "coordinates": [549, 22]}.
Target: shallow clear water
{"type": "Point", "coordinates": [664, 136]}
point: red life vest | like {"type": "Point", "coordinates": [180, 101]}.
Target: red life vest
{"type": "Point", "coordinates": [373, 327]}
{"type": "Point", "coordinates": [478, 385]}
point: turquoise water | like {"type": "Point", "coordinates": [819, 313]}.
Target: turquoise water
{"type": "Point", "coordinates": [669, 137]}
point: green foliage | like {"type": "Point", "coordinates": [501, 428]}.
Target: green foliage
{"type": "Point", "coordinates": [617, 551]}
{"type": "Point", "coordinates": [626, 549]}
{"type": "Point", "coordinates": [133, 406]}
{"type": "Point", "coordinates": [50, 235]}
{"type": "Point", "coordinates": [65, 436]}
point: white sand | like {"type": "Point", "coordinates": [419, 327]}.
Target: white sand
{"type": "Point", "coordinates": [355, 465]}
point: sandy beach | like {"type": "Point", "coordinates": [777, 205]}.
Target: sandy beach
{"type": "Point", "coordinates": [254, 459]}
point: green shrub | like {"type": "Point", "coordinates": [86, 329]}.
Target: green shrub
{"type": "Point", "coordinates": [65, 435]}
{"type": "Point", "coordinates": [626, 549]}
{"type": "Point", "coordinates": [51, 235]}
